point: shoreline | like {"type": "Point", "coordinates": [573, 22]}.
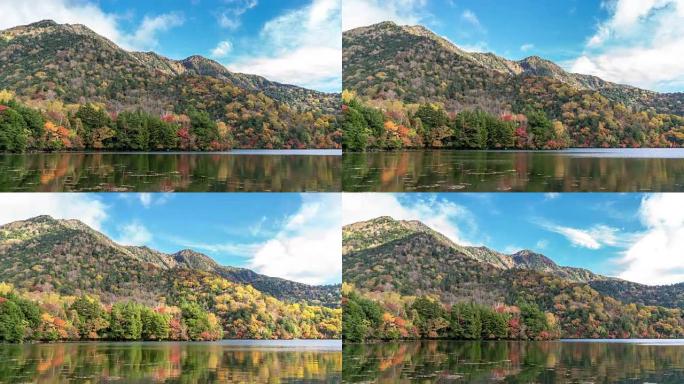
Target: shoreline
{"type": "Point", "coordinates": [308, 151]}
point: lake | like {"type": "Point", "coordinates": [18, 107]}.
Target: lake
{"type": "Point", "coordinates": [234, 361]}
{"type": "Point", "coordinates": [245, 171]}
{"type": "Point", "coordinates": [576, 361]}
{"type": "Point", "coordinates": [573, 170]}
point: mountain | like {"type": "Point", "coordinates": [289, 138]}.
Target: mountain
{"type": "Point", "coordinates": [395, 263]}
{"type": "Point", "coordinates": [384, 231]}
{"type": "Point", "coordinates": [45, 61]}
{"type": "Point", "coordinates": [385, 63]}
{"type": "Point", "coordinates": [70, 258]}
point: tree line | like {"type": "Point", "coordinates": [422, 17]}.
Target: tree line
{"type": "Point", "coordinates": [86, 318]}
{"type": "Point", "coordinates": [425, 318]}
{"type": "Point", "coordinates": [430, 126]}
{"type": "Point", "coordinates": [53, 126]}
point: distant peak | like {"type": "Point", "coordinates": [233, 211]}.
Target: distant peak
{"type": "Point", "coordinates": [43, 24]}
{"type": "Point", "coordinates": [387, 23]}
{"type": "Point", "coordinates": [526, 256]}
{"type": "Point", "coordinates": [42, 218]}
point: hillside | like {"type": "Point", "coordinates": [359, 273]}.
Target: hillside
{"type": "Point", "coordinates": [391, 265]}
{"type": "Point", "coordinates": [43, 256]}
{"type": "Point", "coordinates": [395, 69]}
{"type": "Point", "coordinates": [54, 68]}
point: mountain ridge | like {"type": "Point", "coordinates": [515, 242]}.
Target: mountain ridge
{"type": "Point", "coordinates": [421, 285]}
{"type": "Point", "coordinates": [76, 84]}
{"type": "Point", "coordinates": [530, 65]}
{"type": "Point", "coordinates": [407, 87]}
{"type": "Point", "coordinates": [14, 235]}
{"type": "Point", "coordinates": [523, 259]}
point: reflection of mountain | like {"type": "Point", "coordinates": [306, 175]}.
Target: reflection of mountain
{"type": "Point", "coordinates": [514, 362]}
{"type": "Point", "coordinates": [57, 172]}
{"type": "Point", "coordinates": [70, 258]}
{"type": "Point", "coordinates": [507, 171]}
{"type": "Point", "coordinates": [167, 362]}
{"type": "Point", "coordinates": [383, 256]}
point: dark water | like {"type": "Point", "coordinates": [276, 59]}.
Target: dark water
{"type": "Point", "coordinates": [173, 362]}
{"type": "Point", "coordinates": [249, 171]}
{"type": "Point", "coordinates": [596, 361]}
{"type": "Point", "coordinates": [585, 170]}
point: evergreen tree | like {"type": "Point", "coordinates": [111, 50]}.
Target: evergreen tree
{"type": "Point", "coordinates": [12, 322]}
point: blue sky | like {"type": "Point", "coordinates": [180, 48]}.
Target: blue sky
{"type": "Point", "coordinates": [638, 237]}
{"type": "Point", "coordinates": [626, 41]}
{"type": "Point", "coordinates": [294, 236]}
{"type": "Point", "coordinates": [293, 41]}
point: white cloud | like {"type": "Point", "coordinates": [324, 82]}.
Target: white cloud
{"type": "Point", "coordinates": [145, 37]}
{"type": "Point", "coordinates": [511, 249]}
{"type": "Point", "coordinates": [657, 255]}
{"type": "Point", "coordinates": [470, 17]}
{"type": "Point", "coordinates": [308, 247]}
{"type": "Point", "coordinates": [145, 199]}
{"type": "Point", "coordinates": [230, 17]}
{"type": "Point", "coordinates": [443, 216]}
{"type": "Point", "coordinates": [133, 233]}
{"type": "Point", "coordinates": [222, 49]}
{"type": "Point", "coordinates": [302, 47]}
{"type": "Point", "coordinates": [480, 46]}
{"type": "Point", "coordinates": [84, 207]}
{"type": "Point", "coordinates": [233, 249]}
{"type": "Point", "coordinates": [593, 238]}
{"type": "Point", "coordinates": [640, 44]}
{"type": "Point", "coordinates": [551, 196]}
{"type": "Point", "coordinates": [527, 47]}
{"type": "Point", "coordinates": [360, 13]}
{"type": "Point", "coordinates": [88, 13]}
{"type": "Point", "coordinates": [542, 244]}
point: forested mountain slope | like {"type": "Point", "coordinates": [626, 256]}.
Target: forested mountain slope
{"type": "Point", "coordinates": [55, 68]}
{"type": "Point", "coordinates": [65, 262]}
{"type": "Point", "coordinates": [396, 69]}
{"type": "Point", "coordinates": [68, 257]}
{"type": "Point", "coordinates": [404, 270]}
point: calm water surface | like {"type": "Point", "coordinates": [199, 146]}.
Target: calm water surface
{"type": "Point", "coordinates": [581, 170]}
{"type": "Point", "coordinates": [577, 361]}
{"type": "Point", "coordinates": [246, 170]}
{"type": "Point", "coordinates": [228, 361]}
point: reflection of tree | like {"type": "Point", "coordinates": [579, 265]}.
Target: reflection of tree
{"type": "Point", "coordinates": [165, 362]}
{"type": "Point", "coordinates": [504, 171]}
{"type": "Point", "coordinates": [168, 172]}
{"type": "Point", "coordinates": [512, 362]}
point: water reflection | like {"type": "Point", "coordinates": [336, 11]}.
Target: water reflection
{"type": "Point", "coordinates": [513, 362]}
{"type": "Point", "coordinates": [167, 362]}
{"type": "Point", "coordinates": [165, 172]}
{"type": "Point", "coordinates": [491, 171]}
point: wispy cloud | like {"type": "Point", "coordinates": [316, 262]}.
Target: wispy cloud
{"type": "Point", "coordinates": [133, 233]}
{"type": "Point", "coordinates": [639, 44]}
{"type": "Point", "coordinates": [85, 207]}
{"type": "Point", "coordinates": [527, 47]}
{"type": "Point", "coordinates": [222, 49]}
{"type": "Point", "coordinates": [302, 47]}
{"type": "Point", "coordinates": [470, 18]}
{"type": "Point", "coordinates": [360, 13]}
{"type": "Point", "coordinates": [228, 248]}
{"type": "Point", "coordinates": [594, 237]}
{"type": "Point", "coordinates": [453, 220]}
{"type": "Point", "coordinates": [655, 256]}
{"type": "Point", "coordinates": [307, 248]}
{"type": "Point", "coordinates": [230, 15]}
{"type": "Point", "coordinates": [89, 13]}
